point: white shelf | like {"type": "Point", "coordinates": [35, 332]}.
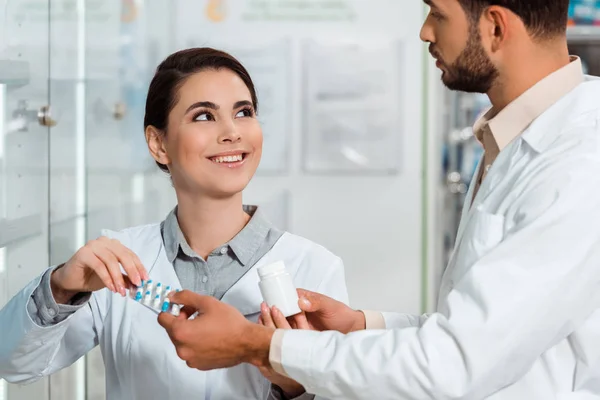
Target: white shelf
{"type": "Point", "coordinates": [583, 33]}
{"type": "Point", "coordinates": [13, 230]}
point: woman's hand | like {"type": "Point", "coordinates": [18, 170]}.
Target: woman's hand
{"type": "Point", "coordinates": [96, 266]}
{"type": "Point", "coordinates": [273, 318]}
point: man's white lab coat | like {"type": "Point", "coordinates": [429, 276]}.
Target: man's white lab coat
{"type": "Point", "coordinates": [518, 316]}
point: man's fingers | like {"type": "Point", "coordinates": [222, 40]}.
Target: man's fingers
{"type": "Point", "coordinates": [193, 300]}
{"type": "Point", "coordinates": [167, 321]}
{"type": "Point", "coordinates": [309, 301]}
{"type": "Point", "coordinates": [186, 312]}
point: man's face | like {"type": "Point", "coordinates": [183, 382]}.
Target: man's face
{"type": "Point", "coordinates": [466, 68]}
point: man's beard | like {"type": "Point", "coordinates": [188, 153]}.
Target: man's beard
{"type": "Point", "coordinates": [473, 71]}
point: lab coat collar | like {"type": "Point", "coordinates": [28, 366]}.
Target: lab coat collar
{"type": "Point", "coordinates": [510, 122]}
{"type": "Point", "coordinates": [563, 115]}
{"type": "Point", "coordinates": [539, 136]}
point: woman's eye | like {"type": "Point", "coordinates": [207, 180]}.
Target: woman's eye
{"type": "Point", "coordinates": [203, 117]}
{"type": "Point", "coordinates": [244, 113]}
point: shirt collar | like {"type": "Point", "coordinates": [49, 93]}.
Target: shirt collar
{"type": "Point", "coordinates": [250, 239]}
{"type": "Point", "coordinates": [515, 118]}
{"type": "Point", "coordinates": [244, 245]}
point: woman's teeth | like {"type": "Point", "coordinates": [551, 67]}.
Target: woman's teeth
{"type": "Point", "coordinates": [227, 159]}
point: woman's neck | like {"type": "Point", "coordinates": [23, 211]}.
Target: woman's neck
{"type": "Point", "coordinates": [207, 223]}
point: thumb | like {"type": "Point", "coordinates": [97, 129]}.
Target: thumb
{"type": "Point", "coordinates": [192, 300]}
{"type": "Point", "coordinates": [310, 301]}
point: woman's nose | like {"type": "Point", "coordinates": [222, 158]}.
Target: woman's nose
{"type": "Point", "coordinates": [230, 134]}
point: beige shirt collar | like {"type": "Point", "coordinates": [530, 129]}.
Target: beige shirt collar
{"type": "Point", "coordinates": [512, 121]}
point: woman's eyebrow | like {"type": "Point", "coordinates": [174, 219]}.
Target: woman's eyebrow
{"type": "Point", "coordinates": [203, 104]}
{"type": "Point", "coordinates": [243, 103]}
{"type": "Point", "coordinates": [213, 106]}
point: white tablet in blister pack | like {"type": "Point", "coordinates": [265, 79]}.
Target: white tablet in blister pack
{"type": "Point", "coordinates": [155, 297]}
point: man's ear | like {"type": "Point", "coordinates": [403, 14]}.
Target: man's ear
{"type": "Point", "coordinates": [157, 145]}
{"type": "Point", "coordinates": [495, 26]}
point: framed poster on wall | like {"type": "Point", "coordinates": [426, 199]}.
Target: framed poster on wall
{"type": "Point", "coordinates": [351, 114]}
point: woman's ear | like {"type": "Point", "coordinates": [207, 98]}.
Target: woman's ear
{"type": "Point", "coordinates": [157, 145]}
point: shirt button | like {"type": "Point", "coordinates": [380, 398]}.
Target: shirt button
{"type": "Point", "coordinates": [52, 312]}
{"type": "Point", "coordinates": [204, 279]}
{"type": "Point", "coordinates": [224, 250]}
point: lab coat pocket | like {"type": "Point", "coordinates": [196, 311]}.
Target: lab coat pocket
{"type": "Point", "coordinates": [484, 231]}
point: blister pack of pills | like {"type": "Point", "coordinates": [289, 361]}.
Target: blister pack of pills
{"type": "Point", "coordinates": [154, 295]}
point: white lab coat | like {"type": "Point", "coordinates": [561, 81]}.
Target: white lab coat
{"type": "Point", "coordinates": [518, 316]}
{"type": "Point", "coordinates": [141, 362]}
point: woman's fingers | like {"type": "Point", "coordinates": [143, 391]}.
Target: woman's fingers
{"type": "Point", "coordinates": [99, 268]}
{"type": "Point", "coordinates": [279, 319]}
{"type": "Point", "coordinates": [299, 321]}
{"type": "Point", "coordinates": [111, 264]}
{"type": "Point", "coordinates": [265, 315]}
{"type": "Point", "coordinates": [126, 258]}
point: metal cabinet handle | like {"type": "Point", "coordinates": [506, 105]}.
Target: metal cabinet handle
{"type": "Point", "coordinates": [45, 117]}
{"type": "Point", "coordinates": [23, 114]}
{"type": "Point", "coordinates": [119, 111]}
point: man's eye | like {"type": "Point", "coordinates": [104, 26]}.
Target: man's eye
{"type": "Point", "coordinates": [436, 15]}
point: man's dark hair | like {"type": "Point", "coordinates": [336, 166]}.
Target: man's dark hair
{"type": "Point", "coordinates": [543, 19]}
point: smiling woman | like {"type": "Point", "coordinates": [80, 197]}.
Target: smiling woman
{"type": "Point", "coordinates": [201, 124]}
{"type": "Point", "coordinates": [201, 128]}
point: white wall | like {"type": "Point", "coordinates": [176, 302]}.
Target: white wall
{"type": "Point", "coordinates": [373, 222]}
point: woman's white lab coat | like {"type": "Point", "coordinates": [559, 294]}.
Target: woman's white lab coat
{"type": "Point", "coordinates": [140, 360]}
{"type": "Point", "coordinates": [518, 315]}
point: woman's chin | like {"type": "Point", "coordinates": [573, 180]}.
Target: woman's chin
{"type": "Point", "coordinates": [226, 189]}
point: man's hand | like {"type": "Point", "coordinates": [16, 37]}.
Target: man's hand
{"type": "Point", "coordinates": [219, 336]}
{"type": "Point", "coordinates": [323, 313]}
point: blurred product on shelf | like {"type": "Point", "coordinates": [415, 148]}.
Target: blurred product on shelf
{"type": "Point", "coordinates": [584, 12]}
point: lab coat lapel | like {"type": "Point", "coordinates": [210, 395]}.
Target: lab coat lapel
{"type": "Point", "coordinates": [164, 272]}
{"type": "Point", "coordinates": [470, 206]}
{"type": "Point", "coordinates": [245, 294]}
{"type": "Point", "coordinates": [467, 207]}
{"type": "Point", "coordinates": [159, 267]}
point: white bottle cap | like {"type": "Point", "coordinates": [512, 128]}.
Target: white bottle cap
{"type": "Point", "coordinates": [271, 269]}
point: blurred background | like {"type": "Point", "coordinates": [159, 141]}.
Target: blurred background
{"type": "Point", "coordinates": [365, 152]}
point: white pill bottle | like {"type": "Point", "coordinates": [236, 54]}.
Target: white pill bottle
{"type": "Point", "coordinates": [278, 289]}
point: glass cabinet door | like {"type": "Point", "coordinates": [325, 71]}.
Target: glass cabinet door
{"type": "Point", "coordinates": [67, 158]}
{"type": "Point", "coordinates": [26, 122]}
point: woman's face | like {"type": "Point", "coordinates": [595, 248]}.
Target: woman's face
{"type": "Point", "coordinates": [213, 142]}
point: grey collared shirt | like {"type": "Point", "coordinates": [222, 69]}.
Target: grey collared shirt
{"type": "Point", "coordinates": [226, 264]}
